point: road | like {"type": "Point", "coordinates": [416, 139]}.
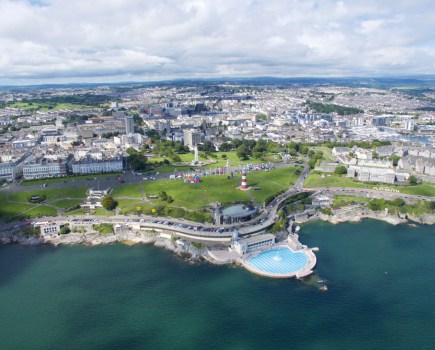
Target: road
{"type": "Point", "coordinates": [365, 192]}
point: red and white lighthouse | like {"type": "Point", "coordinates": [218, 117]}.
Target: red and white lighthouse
{"type": "Point", "coordinates": [244, 184]}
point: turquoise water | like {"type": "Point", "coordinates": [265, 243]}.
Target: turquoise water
{"type": "Point", "coordinates": [381, 287]}
{"type": "Point", "coordinates": [279, 261]}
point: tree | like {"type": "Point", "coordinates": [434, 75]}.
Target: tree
{"type": "Point", "coordinates": [242, 153]}
{"type": "Point", "coordinates": [163, 195]}
{"type": "Point", "coordinates": [395, 158]}
{"type": "Point", "coordinates": [208, 146]}
{"type": "Point", "coordinates": [398, 202]}
{"type": "Point", "coordinates": [64, 230]}
{"type": "Point", "coordinates": [340, 170]}
{"type": "Point", "coordinates": [413, 180]}
{"type": "Point", "coordinates": [109, 203]}
{"type": "Point", "coordinates": [225, 147]}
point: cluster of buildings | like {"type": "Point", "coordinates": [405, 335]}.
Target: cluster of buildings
{"type": "Point", "coordinates": [54, 143]}
{"type": "Point", "coordinates": [377, 165]}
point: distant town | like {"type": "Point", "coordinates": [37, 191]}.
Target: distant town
{"type": "Point", "coordinates": [239, 164]}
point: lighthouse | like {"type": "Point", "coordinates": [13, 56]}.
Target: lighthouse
{"type": "Point", "coordinates": [244, 184]}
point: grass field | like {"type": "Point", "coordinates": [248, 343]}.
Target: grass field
{"type": "Point", "coordinates": [424, 189]}
{"type": "Point", "coordinates": [66, 203]}
{"type": "Point", "coordinates": [211, 189]}
{"type": "Point", "coordinates": [316, 180]}
{"type": "Point", "coordinates": [46, 106]}
{"type": "Point", "coordinates": [9, 209]}
{"type": "Point", "coordinates": [327, 153]}
{"type": "Point", "coordinates": [50, 193]}
{"type": "Point", "coordinates": [217, 162]}
{"type": "Point", "coordinates": [12, 210]}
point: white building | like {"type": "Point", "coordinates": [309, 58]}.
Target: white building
{"type": "Point", "coordinates": [49, 229]}
{"type": "Point", "coordinates": [44, 169]}
{"type": "Point", "coordinates": [92, 166]}
{"type": "Point", "coordinates": [247, 245]}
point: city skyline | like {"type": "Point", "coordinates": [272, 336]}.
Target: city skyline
{"type": "Point", "coordinates": [55, 41]}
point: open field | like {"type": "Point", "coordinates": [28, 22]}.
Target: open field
{"type": "Point", "coordinates": [424, 189]}
{"type": "Point", "coordinates": [46, 106]}
{"type": "Point", "coordinates": [327, 153]}
{"type": "Point", "coordinates": [66, 203]}
{"type": "Point", "coordinates": [9, 209]}
{"type": "Point", "coordinates": [38, 211]}
{"type": "Point", "coordinates": [12, 210]}
{"type": "Point", "coordinates": [50, 193]}
{"type": "Point", "coordinates": [211, 189]}
{"type": "Point", "coordinates": [316, 180]}
{"type": "Point", "coordinates": [218, 161]}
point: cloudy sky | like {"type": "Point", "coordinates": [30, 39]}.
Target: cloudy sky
{"type": "Point", "coordinates": [56, 41]}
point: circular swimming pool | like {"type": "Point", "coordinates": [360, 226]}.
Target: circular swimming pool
{"type": "Point", "coordinates": [279, 261]}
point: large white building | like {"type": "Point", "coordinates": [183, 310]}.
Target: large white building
{"type": "Point", "coordinates": [10, 167]}
{"type": "Point", "coordinates": [92, 166]}
{"type": "Point", "coordinates": [246, 245]}
{"type": "Point", "coordinates": [44, 168]}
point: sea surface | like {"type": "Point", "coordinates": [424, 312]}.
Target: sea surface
{"type": "Point", "coordinates": [381, 295]}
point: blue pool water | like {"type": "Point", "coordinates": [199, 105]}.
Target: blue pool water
{"type": "Point", "coordinates": [279, 261]}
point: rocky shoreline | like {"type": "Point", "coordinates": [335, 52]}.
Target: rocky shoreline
{"type": "Point", "coordinates": [358, 215]}
{"type": "Point", "coordinates": [184, 248]}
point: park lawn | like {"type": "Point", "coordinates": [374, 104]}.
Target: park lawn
{"type": "Point", "coordinates": [45, 106]}
{"type": "Point", "coordinates": [316, 180]}
{"type": "Point", "coordinates": [327, 153]}
{"type": "Point", "coordinates": [127, 190]}
{"type": "Point", "coordinates": [37, 211]}
{"type": "Point", "coordinates": [342, 201]}
{"type": "Point", "coordinates": [67, 179]}
{"type": "Point", "coordinates": [424, 189]}
{"type": "Point", "coordinates": [271, 182]}
{"type": "Point", "coordinates": [211, 189]}
{"type": "Point", "coordinates": [127, 205]}
{"type": "Point", "coordinates": [8, 210]}
{"type": "Point", "coordinates": [50, 193]}
{"type": "Point", "coordinates": [66, 203]}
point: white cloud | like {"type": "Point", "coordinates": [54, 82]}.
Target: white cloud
{"type": "Point", "coordinates": [115, 40]}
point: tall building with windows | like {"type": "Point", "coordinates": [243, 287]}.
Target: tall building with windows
{"type": "Point", "coordinates": [129, 125]}
{"type": "Point", "coordinates": [191, 137]}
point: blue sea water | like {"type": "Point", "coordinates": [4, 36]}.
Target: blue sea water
{"type": "Point", "coordinates": [380, 277]}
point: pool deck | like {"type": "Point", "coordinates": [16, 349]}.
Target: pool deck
{"type": "Point", "coordinates": [305, 271]}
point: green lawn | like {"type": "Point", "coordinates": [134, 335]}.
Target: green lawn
{"type": "Point", "coordinates": [316, 180]}
{"type": "Point", "coordinates": [50, 193]}
{"type": "Point", "coordinates": [271, 182]}
{"type": "Point", "coordinates": [341, 201]}
{"type": "Point", "coordinates": [217, 162]}
{"type": "Point", "coordinates": [44, 106]}
{"type": "Point", "coordinates": [66, 203]}
{"type": "Point", "coordinates": [327, 153]}
{"type": "Point", "coordinates": [128, 190]}
{"type": "Point", "coordinates": [424, 189]}
{"type": "Point", "coordinates": [12, 210]}
{"type": "Point", "coordinates": [38, 211]}
{"type": "Point", "coordinates": [211, 189]}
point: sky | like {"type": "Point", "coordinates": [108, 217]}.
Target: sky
{"type": "Point", "coordinates": [67, 41]}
